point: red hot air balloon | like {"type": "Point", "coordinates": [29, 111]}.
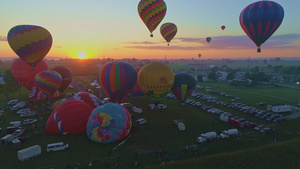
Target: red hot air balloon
{"type": "Point", "coordinates": [66, 75]}
{"type": "Point", "coordinates": [223, 27]}
{"type": "Point", "coordinates": [70, 117]}
{"type": "Point", "coordinates": [23, 73]}
{"type": "Point", "coordinates": [260, 20]}
{"type": "Point", "coordinates": [117, 79]}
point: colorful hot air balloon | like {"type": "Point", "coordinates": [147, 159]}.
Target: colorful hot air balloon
{"type": "Point", "coordinates": [108, 123]}
{"type": "Point", "coordinates": [24, 74]}
{"type": "Point", "coordinates": [152, 12]}
{"type": "Point", "coordinates": [136, 90]}
{"type": "Point", "coordinates": [117, 79]}
{"type": "Point", "coordinates": [58, 102]}
{"type": "Point", "coordinates": [183, 86]}
{"type": "Point", "coordinates": [168, 31]}
{"type": "Point", "coordinates": [199, 55]}
{"type": "Point", "coordinates": [208, 39]}
{"type": "Point", "coordinates": [88, 98]}
{"type": "Point", "coordinates": [36, 94]}
{"type": "Point", "coordinates": [70, 117]}
{"type": "Point", "coordinates": [48, 81]}
{"type": "Point", "coordinates": [223, 27]}
{"type": "Point", "coordinates": [156, 79]}
{"type": "Point", "coordinates": [31, 43]}
{"type": "Point", "coordinates": [66, 75]}
{"type": "Point", "coordinates": [260, 20]}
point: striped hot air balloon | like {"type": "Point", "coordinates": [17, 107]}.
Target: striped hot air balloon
{"type": "Point", "coordinates": [168, 31]}
{"type": "Point", "coordinates": [31, 43]}
{"type": "Point", "coordinates": [117, 79]}
{"type": "Point", "coordinates": [260, 20]}
{"type": "Point", "coordinates": [183, 86]}
{"type": "Point", "coordinates": [48, 81]}
{"type": "Point", "coordinates": [152, 12]}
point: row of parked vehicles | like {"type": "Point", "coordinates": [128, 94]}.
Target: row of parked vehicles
{"type": "Point", "coordinates": [212, 136]}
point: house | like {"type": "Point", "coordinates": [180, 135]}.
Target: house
{"type": "Point", "coordinates": [222, 76]}
{"type": "Point", "coordinates": [279, 108]}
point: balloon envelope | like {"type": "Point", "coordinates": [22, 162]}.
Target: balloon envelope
{"type": "Point", "coordinates": [37, 94]}
{"type": "Point", "coordinates": [48, 81]}
{"type": "Point", "coordinates": [199, 55]}
{"type": "Point", "coordinates": [208, 39]}
{"type": "Point", "coordinates": [152, 12]}
{"type": "Point", "coordinates": [24, 74]}
{"type": "Point", "coordinates": [30, 42]}
{"type": "Point", "coordinates": [260, 20]}
{"type": "Point", "coordinates": [88, 98]}
{"type": "Point", "coordinates": [183, 86]}
{"type": "Point", "coordinates": [66, 75]}
{"type": "Point", "coordinates": [223, 27]}
{"type": "Point", "coordinates": [156, 79]}
{"type": "Point", "coordinates": [117, 79]}
{"type": "Point", "coordinates": [136, 90]}
{"type": "Point", "coordinates": [70, 117]}
{"type": "Point", "coordinates": [108, 123]}
{"type": "Point", "coordinates": [168, 31]}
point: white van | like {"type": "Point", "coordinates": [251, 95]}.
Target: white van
{"type": "Point", "coordinates": [57, 146]}
{"type": "Point", "coordinates": [15, 123]}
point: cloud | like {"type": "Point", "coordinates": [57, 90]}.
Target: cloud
{"type": "Point", "coordinates": [243, 42]}
{"type": "Point", "coordinates": [163, 47]}
{"type": "Point", "coordinates": [140, 43]}
{"type": "Point", "coordinates": [58, 46]}
{"type": "Point", "coordinates": [3, 38]}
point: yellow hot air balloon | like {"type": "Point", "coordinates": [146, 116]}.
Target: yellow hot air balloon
{"type": "Point", "coordinates": [156, 80]}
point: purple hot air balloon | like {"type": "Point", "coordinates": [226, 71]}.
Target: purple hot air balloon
{"type": "Point", "coordinates": [66, 75]}
{"type": "Point", "coordinates": [260, 20]}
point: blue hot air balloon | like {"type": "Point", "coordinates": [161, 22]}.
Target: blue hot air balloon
{"type": "Point", "coordinates": [260, 20]}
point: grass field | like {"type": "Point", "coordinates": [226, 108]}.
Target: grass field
{"type": "Point", "coordinates": [159, 133]}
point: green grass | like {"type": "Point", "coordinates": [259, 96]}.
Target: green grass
{"type": "Point", "coordinates": [158, 133]}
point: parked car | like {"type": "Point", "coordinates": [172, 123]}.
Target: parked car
{"type": "Point", "coordinates": [23, 111]}
{"type": "Point", "coordinates": [28, 114]}
{"type": "Point", "coordinates": [19, 132]}
{"type": "Point", "coordinates": [265, 130]}
{"type": "Point", "coordinates": [12, 102]}
{"type": "Point", "coordinates": [29, 121]}
{"type": "Point", "coordinates": [57, 146]}
{"type": "Point", "coordinates": [250, 125]}
{"type": "Point", "coordinates": [258, 127]}
{"type": "Point", "coordinates": [141, 121]}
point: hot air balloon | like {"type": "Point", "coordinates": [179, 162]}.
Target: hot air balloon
{"type": "Point", "coordinates": [70, 117]}
{"type": "Point", "coordinates": [36, 94]}
{"type": "Point", "coordinates": [136, 90]}
{"type": "Point", "coordinates": [23, 73]}
{"type": "Point", "coordinates": [117, 79]}
{"type": "Point", "coordinates": [66, 75]}
{"type": "Point", "coordinates": [183, 86]}
{"type": "Point", "coordinates": [199, 55]}
{"type": "Point", "coordinates": [156, 79]}
{"type": "Point", "coordinates": [260, 20]}
{"type": "Point", "coordinates": [223, 27]}
{"type": "Point", "coordinates": [31, 43]}
{"type": "Point", "coordinates": [58, 102]}
{"type": "Point", "coordinates": [152, 13]}
{"type": "Point", "coordinates": [168, 31]}
{"type": "Point", "coordinates": [208, 39]}
{"type": "Point", "coordinates": [88, 98]}
{"type": "Point", "coordinates": [48, 81]}
{"type": "Point", "coordinates": [108, 123]}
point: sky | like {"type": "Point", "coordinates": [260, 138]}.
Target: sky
{"type": "Point", "coordinates": [113, 29]}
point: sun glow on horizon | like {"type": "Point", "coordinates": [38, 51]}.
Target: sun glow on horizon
{"type": "Point", "coordinates": [81, 55]}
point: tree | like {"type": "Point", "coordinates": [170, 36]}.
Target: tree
{"type": "Point", "coordinates": [212, 75]}
{"type": "Point", "coordinates": [199, 78]}
{"type": "Point", "coordinates": [10, 86]}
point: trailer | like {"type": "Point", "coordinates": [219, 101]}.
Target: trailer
{"type": "Point", "coordinates": [29, 153]}
{"type": "Point", "coordinates": [7, 139]}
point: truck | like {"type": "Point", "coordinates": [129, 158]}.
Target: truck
{"type": "Point", "coordinates": [7, 139]}
{"type": "Point", "coordinates": [29, 152]}
{"type": "Point", "coordinates": [209, 136]}
{"type": "Point", "coordinates": [229, 133]}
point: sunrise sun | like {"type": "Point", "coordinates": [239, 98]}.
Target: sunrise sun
{"type": "Point", "coordinates": [81, 55]}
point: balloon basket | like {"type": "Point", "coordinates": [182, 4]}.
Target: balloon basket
{"type": "Point", "coordinates": [258, 50]}
{"type": "Point", "coordinates": [151, 35]}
